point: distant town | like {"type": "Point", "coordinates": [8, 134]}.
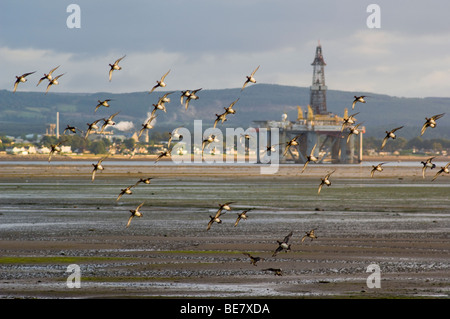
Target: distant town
{"type": "Point", "coordinates": [98, 144]}
{"type": "Point", "coordinates": [156, 142]}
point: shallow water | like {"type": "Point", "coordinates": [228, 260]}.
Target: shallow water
{"type": "Point", "coordinates": [174, 201]}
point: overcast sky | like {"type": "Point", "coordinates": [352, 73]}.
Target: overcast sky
{"type": "Point", "coordinates": [214, 44]}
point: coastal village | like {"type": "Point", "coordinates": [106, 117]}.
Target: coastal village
{"type": "Point", "coordinates": [130, 145]}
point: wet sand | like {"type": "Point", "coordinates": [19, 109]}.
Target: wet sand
{"type": "Point", "coordinates": [53, 216]}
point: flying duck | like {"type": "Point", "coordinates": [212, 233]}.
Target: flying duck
{"type": "Point", "coordinates": [216, 217]}
{"type": "Point", "coordinates": [126, 190]}
{"type": "Point", "coordinates": [98, 167]}
{"type": "Point", "coordinates": [292, 142]}
{"type": "Point", "coordinates": [144, 180]}
{"type": "Point", "coordinates": [212, 220]}
{"type": "Point", "coordinates": [91, 127]}
{"type": "Point", "coordinates": [353, 130]}
{"type": "Point", "coordinates": [325, 181]}
{"type": "Point", "coordinates": [242, 215]}
{"type": "Point", "coordinates": [389, 134]}
{"type": "Point", "coordinates": [350, 120]}
{"type": "Point", "coordinates": [250, 78]}
{"type": "Point", "coordinates": [269, 149]}
{"type": "Point", "coordinates": [442, 170]}
{"type": "Point", "coordinates": [175, 135]}
{"type": "Point", "coordinates": [430, 122]}
{"type": "Point", "coordinates": [283, 245]}
{"type": "Point", "coordinates": [108, 121]}
{"type": "Point", "coordinates": [54, 149]}
{"type": "Point", "coordinates": [102, 103]}
{"type": "Point", "coordinates": [73, 129]}
{"type": "Point", "coordinates": [310, 234]}
{"type": "Point", "coordinates": [253, 259]}
{"type": "Point", "coordinates": [47, 76]}
{"type": "Point", "coordinates": [166, 153]}
{"type": "Point", "coordinates": [160, 83]}
{"type": "Point", "coordinates": [276, 271]}
{"type": "Point", "coordinates": [211, 138]}
{"type": "Point", "coordinates": [229, 109]}
{"type": "Point", "coordinates": [184, 94]}
{"type": "Point", "coordinates": [376, 168]}
{"type": "Point", "coordinates": [220, 117]}
{"type": "Point", "coordinates": [115, 66]}
{"type": "Point", "coordinates": [358, 99]}
{"type": "Point", "coordinates": [427, 164]}
{"type": "Point", "coordinates": [135, 213]}
{"type": "Point", "coordinates": [21, 79]}
{"type": "Point", "coordinates": [161, 104]}
{"type": "Point", "coordinates": [192, 96]}
{"type": "Point", "coordinates": [225, 206]}
{"type": "Point", "coordinates": [165, 98]}
{"type": "Point", "coordinates": [147, 125]}
{"type": "Point", "coordinates": [158, 106]}
{"type": "Point", "coordinates": [310, 158]}
{"type": "Point", "coordinates": [53, 81]}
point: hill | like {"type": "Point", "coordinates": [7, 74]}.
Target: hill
{"type": "Point", "coordinates": [29, 112]}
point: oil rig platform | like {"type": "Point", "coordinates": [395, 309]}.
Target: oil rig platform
{"type": "Point", "coordinates": [315, 126]}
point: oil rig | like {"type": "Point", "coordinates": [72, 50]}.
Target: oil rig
{"type": "Point", "coordinates": [315, 127]}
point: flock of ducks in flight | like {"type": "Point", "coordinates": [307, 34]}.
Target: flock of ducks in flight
{"type": "Point", "coordinates": [429, 123]}
{"type": "Point", "coordinates": [349, 122]}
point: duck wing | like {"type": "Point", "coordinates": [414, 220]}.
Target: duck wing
{"type": "Point", "coordinates": [384, 142]}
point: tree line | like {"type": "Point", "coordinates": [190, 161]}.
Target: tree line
{"type": "Point", "coordinates": [103, 145]}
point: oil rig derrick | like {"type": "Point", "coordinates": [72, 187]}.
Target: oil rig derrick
{"type": "Point", "coordinates": [315, 127]}
{"type": "Point", "coordinates": [318, 90]}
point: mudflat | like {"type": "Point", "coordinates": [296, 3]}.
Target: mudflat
{"type": "Point", "coordinates": [380, 237]}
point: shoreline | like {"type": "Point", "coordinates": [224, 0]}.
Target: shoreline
{"type": "Point", "coordinates": [80, 170]}
{"type": "Point", "coordinates": [83, 157]}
